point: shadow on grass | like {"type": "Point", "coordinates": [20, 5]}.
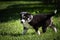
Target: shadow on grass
{"type": "Point", "coordinates": [5, 34]}
{"type": "Point", "coordinates": [12, 34]}
{"type": "Point", "coordinates": [12, 12]}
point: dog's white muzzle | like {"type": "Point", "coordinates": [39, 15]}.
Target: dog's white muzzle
{"type": "Point", "coordinates": [23, 21]}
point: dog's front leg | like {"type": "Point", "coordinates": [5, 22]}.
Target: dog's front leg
{"type": "Point", "coordinates": [44, 28]}
{"type": "Point", "coordinates": [53, 27]}
{"type": "Point", "coordinates": [24, 30]}
{"type": "Point", "coordinates": [37, 31]}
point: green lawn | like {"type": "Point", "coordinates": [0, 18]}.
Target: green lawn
{"type": "Point", "coordinates": [11, 28]}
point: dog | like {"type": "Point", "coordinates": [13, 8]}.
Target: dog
{"type": "Point", "coordinates": [36, 21]}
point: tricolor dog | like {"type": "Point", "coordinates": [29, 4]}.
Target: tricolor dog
{"type": "Point", "coordinates": [36, 21]}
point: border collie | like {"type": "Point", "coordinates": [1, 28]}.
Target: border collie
{"type": "Point", "coordinates": [36, 21]}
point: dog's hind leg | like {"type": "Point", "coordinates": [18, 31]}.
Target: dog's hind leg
{"type": "Point", "coordinates": [44, 28]}
{"type": "Point", "coordinates": [53, 27]}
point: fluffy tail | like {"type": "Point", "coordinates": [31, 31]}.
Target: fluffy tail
{"type": "Point", "coordinates": [55, 11]}
{"type": "Point", "coordinates": [52, 13]}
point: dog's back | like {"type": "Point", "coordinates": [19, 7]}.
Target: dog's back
{"type": "Point", "coordinates": [43, 17]}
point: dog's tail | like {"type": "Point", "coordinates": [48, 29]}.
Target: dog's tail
{"type": "Point", "coordinates": [52, 13]}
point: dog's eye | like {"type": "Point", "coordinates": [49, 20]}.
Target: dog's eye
{"type": "Point", "coordinates": [23, 18]}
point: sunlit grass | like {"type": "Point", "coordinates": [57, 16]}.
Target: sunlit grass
{"type": "Point", "coordinates": [14, 28]}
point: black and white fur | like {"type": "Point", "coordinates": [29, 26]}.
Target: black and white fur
{"type": "Point", "coordinates": [36, 21]}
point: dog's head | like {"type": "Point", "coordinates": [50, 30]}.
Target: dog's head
{"type": "Point", "coordinates": [26, 17]}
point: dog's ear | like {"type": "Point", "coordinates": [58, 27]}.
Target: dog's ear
{"type": "Point", "coordinates": [23, 12]}
{"type": "Point", "coordinates": [28, 14]}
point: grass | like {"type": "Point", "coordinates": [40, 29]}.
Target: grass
{"type": "Point", "coordinates": [11, 27]}
{"type": "Point", "coordinates": [11, 30]}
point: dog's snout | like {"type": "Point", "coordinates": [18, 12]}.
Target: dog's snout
{"type": "Point", "coordinates": [22, 21]}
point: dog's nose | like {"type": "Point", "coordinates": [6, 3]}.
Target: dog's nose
{"type": "Point", "coordinates": [21, 22]}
